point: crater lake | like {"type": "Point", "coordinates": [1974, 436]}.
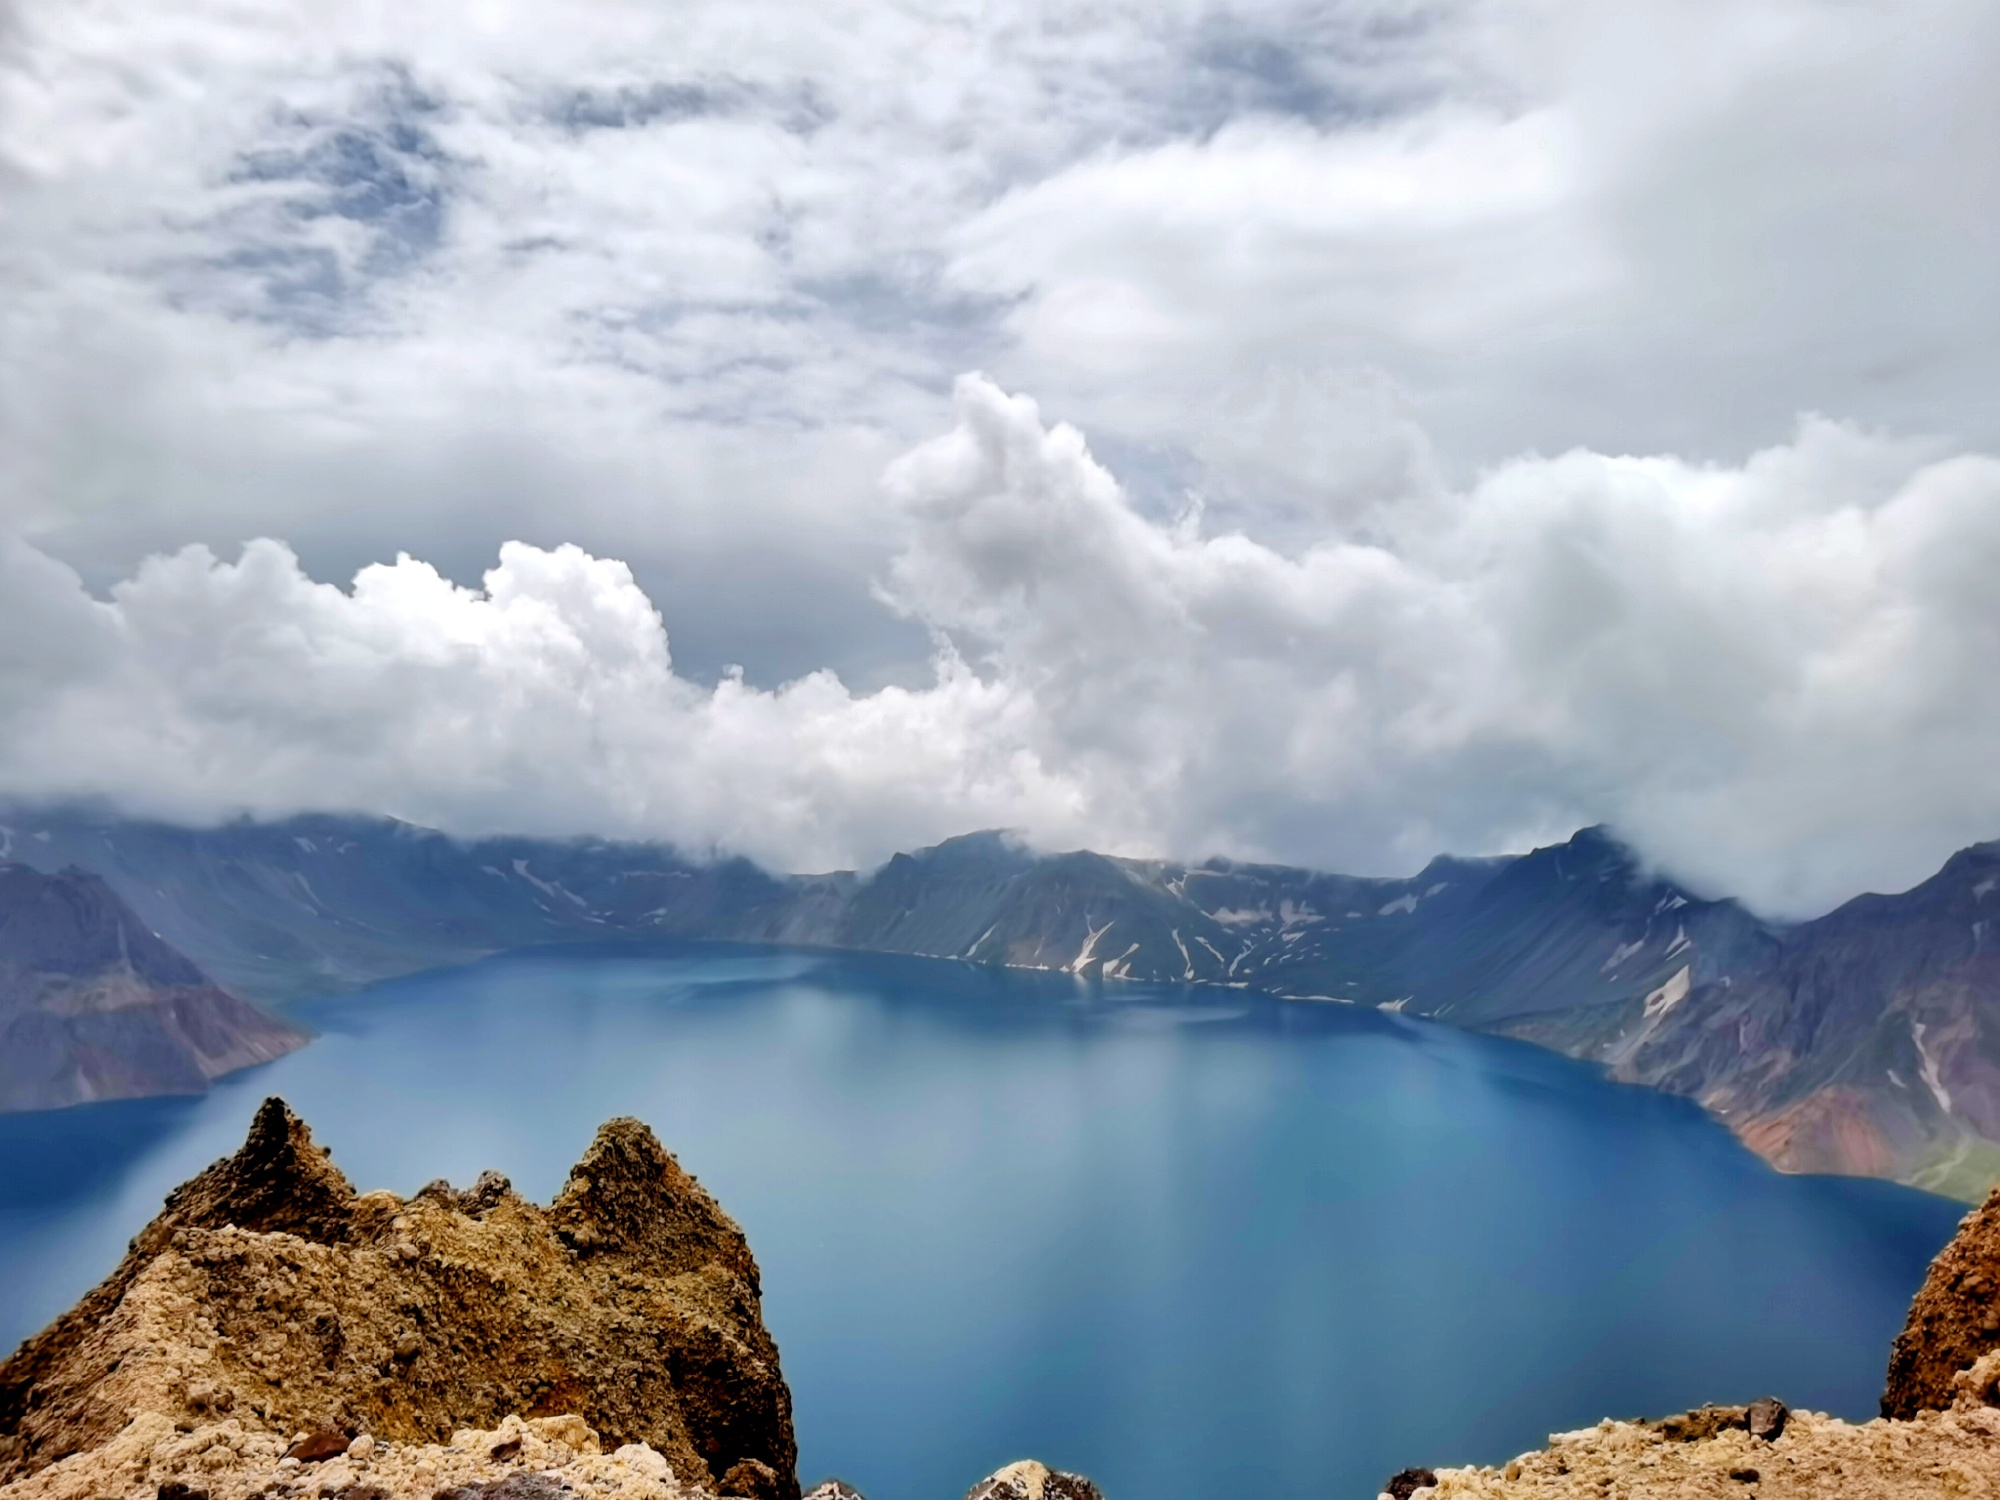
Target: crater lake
{"type": "Point", "coordinates": [1192, 1243]}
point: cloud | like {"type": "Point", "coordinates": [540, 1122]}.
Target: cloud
{"type": "Point", "coordinates": [1769, 676]}
{"type": "Point", "coordinates": [1648, 228]}
{"type": "Point", "coordinates": [544, 701]}
{"type": "Point", "coordinates": [269, 274]}
{"type": "Point", "coordinates": [1763, 674]}
{"type": "Point", "coordinates": [1326, 284]}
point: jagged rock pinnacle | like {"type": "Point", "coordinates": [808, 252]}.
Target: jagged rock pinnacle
{"type": "Point", "coordinates": [629, 1195]}
{"type": "Point", "coordinates": [280, 1181]}
{"type": "Point", "coordinates": [268, 1290]}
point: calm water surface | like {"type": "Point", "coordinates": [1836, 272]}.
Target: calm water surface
{"type": "Point", "coordinates": [1193, 1244]}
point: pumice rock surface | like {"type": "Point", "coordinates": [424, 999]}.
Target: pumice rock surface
{"type": "Point", "coordinates": [540, 1458]}
{"type": "Point", "coordinates": [273, 1335]}
{"type": "Point", "coordinates": [270, 1302]}
{"type": "Point", "coordinates": [1028, 1480]}
{"type": "Point", "coordinates": [1951, 1455]}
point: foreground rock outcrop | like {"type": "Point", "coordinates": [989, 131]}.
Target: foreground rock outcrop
{"type": "Point", "coordinates": [94, 1005]}
{"type": "Point", "coordinates": [1816, 1457]}
{"type": "Point", "coordinates": [273, 1335]}
{"type": "Point", "coordinates": [1954, 1322]}
{"type": "Point", "coordinates": [542, 1458]}
{"type": "Point", "coordinates": [269, 1299]}
{"type": "Point", "coordinates": [1938, 1435]}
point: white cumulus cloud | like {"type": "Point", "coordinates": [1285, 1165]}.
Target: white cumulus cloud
{"type": "Point", "coordinates": [1769, 676]}
{"type": "Point", "coordinates": [1367, 304]}
{"type": "Point", "coordinates": [545, 701]}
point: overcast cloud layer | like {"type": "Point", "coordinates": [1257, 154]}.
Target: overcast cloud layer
{"type": "Point", "coordinates": [651, 325]}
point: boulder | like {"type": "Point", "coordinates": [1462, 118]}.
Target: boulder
{"type": "Point", "coordinates": [1766, 1418]}
{"type": "Point", "coordinates": [1029, 1480]}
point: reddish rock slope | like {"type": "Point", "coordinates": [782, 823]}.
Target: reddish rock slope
{"type": "Point", "coordinates": [94, 1006]}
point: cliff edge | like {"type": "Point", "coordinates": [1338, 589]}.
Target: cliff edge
{"type": "Point", "coordinates": [1954, 1322]}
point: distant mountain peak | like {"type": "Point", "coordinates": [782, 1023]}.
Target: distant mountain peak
{"type": "Point", "coordinates": [987, 848]}
{"type": "Point", "coordinates": [95, 1005]}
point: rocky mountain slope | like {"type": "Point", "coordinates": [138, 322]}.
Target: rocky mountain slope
{"type": "Point", "coordinates": [94, 1006]}
{"type": "Point", "coordinates": [1938, 1437]}
{"type": "Point", "coordinates": [274, 1334]}
{"type": "Point", "coordinates": [318, 904]}
{"type": "Point", "coordinates": [1467, 940]}
{"type": "Point", "coordinates": [1866, 1041]}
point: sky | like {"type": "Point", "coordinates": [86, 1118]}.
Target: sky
{"type": "Point", "coordinates": [1327, 432]}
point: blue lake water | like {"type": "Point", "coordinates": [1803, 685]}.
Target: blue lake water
{"type": "Point", "coordinates": [1192, 1243]}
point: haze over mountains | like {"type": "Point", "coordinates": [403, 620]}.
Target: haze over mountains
{"type": "Point", "coordinates": [93, 1005]}
{"type": "Point", "coordinates": [1864, 1041]}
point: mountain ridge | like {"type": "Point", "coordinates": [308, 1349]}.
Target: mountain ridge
{"type": "Point", "coordinates": [1864, 1041]}
{"type": "Point", "coordinates": [1872, 1036]}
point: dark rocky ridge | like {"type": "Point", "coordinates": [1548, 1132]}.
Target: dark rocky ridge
{"type": "Point", "coordinates": [319, 904]}
{"type": "Point", "coordinates": [267, 1289]}
{"type": "Point", "coordinates": [93, 1005]}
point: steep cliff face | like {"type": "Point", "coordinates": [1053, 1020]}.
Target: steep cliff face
{"type": "Point", "coordinates": [1864, 1042]}
{"type": "Point", "coordinates": [269, 1293]}
{"type": "Point", "coordinates": [94, 1006]}
{"type": "Point", "coordinates": [1954, 1323]}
